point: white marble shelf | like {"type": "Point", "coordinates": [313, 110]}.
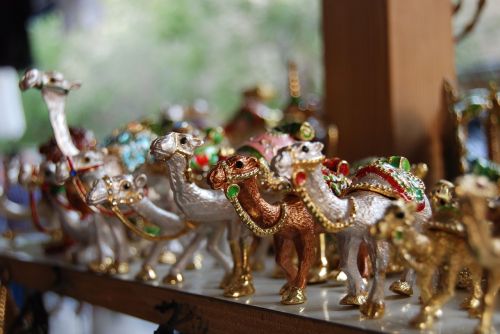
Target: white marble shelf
{"type": "Point", "coordinates": [212, 313]}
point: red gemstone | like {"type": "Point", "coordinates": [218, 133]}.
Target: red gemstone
{"type": "Point", "coordinates": [300, 178]}
{"type": "Point", "coordinates": [202, 160]}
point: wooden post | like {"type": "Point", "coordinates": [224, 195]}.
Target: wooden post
{"type": "Point", "coordinates": [385, 63]}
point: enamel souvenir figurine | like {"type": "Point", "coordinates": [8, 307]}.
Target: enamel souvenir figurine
{"type": "Point", "coordinates": [127, 190]}
{"type": "Point", "coordinates": [205, 207]}
{"type": "Point", "coordinates": [372, 190]}
{"type": "Point", "coordinates": [288, 221]}
{"type": "Point", "coordinates": [441, 248]}
{"type": "Point", "coordinates": [477, 196]}
{"type": "Point", "coordinates": [78, 169]}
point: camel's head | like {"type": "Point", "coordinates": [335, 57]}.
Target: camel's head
{"type": "Point", "coordinates": [306, 154]}
{"type": "Point", "coordinates": [121, 189]}
{"type": "Point", "coordinates": [31, 78]}
{"type": "Point", "coordinates": [235, 169]}
{"type": "Point", "coordinates": [443, 195]}
{"type": "Point", "coordinates": [398, 216]}
{"type": "Point", "coordinates": [475, 186]}
{"type": "Point", "coordinates": [163, 148]}
{"type": "Point", "coordinates": [474, 195]}
{"type": "Point", "coordinates": [34, 78]}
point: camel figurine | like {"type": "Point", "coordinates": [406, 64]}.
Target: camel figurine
{"type": "Point", "coordinates": [301, 163]}
{"type": "Point", "coordinates": [441, 248]}
{"type": "Point", "coordinates": [54, 89]}
{"type": "Point", "coordinates": [477, 197]}
{"type": "Point", "coordinates": [130, 191]}
{"type": "Point", "coordinates": [288, 220]}
{"type": "Point", "coordinates": [206, 207]}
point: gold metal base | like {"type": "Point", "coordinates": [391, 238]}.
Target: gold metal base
{"type": "Point", "coordinates": [146, 274]}
{"type": "Point", "coordinates": [401, 288]}
{"type": "Point", "coordinates": [167, 257]}
{"type": "Point", "coordinates": [318, 275]}
{"type": "Point", "coordinates": [337, 276]}
{"type": "Point", "coordinates": [294, 296]}
{"type": "Point", "coordinates": [196, 264]}
{"type": "Point", "coordinates": [353, 300]}
{"type": "Point", "coordinates": [423, 321]}
{"type": "Point", "coordinates": [284, 289]}
{"type": "Point", "coordinates": [470, 303]}
{"type": "Point", "coordinates": [119, 268]}
{"type": "Point", "coordinates": [373, 310]}
{"type": "Point", "coordinates": [173, 279]}
{"type": "Point", "coordinates": [242, 286]}
{"type": "Point", "coordinates": [101, 267]}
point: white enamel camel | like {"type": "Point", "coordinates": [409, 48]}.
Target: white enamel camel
{"type": "Point", "coordinates": [130, 190]}
{"type": "Point", "coordinates": [371, 206]}
{"type": "Point", "coordinates": [207, 207]}
{"type": "Point", "coordinates": [54, 90]}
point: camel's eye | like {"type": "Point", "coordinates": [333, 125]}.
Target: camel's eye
{"type": "Point", "coordinates": [126, 185]}
{"type": "Point", "coordinates": [400, 215]}
{"type": "Point", "coordinates": [239, 164]}
{"type": "Point", "coordinates": [183, 140]}
{"type": "Point", "coordinates": [305, 149]}
{"type": "Point", "coordinates": [86, 160]}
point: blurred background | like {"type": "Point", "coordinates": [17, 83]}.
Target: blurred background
{"type": "Point", "coordinates": [136, 57]}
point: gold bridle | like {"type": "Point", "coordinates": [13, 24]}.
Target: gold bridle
{"type": "Point", "coordinates": [232, 192]}
{"type": "Point", "coordinates": [188, 226]}
{"type": "Point", "coordinates": [303, 165]}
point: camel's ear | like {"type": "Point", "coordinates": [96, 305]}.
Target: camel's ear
{"type": "Point", "coordinates": [141, 180]}
{"type": "Point", "coordinates": [412, 206]}
{"type": "Point", "coordinates": [195, 141]}
{"type": "Point", "coordinates": [104, 151]}
{"type": "Point", "coordinates": [318, 146]}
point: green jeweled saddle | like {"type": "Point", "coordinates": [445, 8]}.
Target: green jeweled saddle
{"type": "Point", "coordinates": [399, 181]}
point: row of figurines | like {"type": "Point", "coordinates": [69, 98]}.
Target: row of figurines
{"type": "Point", "coordinates": [381, 205]}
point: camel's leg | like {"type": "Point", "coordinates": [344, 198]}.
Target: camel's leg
{"type": "Point", "coordinates": [147, 272]}
{"type": "Point", "coordinates": [120, 247]}
{"type": "Point", "coordinates": [174, 276]}
{"type": "Point", "coordinates": [242, 284]}
{"type": "Point", "coordinates": [379, 254]}
{"type": "Point", "coordinates": [425, 284]}
{"type": "Point", "coordinates": [305, 247]}
{"type": "Point", "coordinates": [428, 311]}
{"type": "Point", "coordinates": [404, 285]}
{"type": "Point", "coordinates": [215, 251]}
{"type": "Point", "coordinates": [234, 231]}
{"type": "Point", "coordinates": [473, 302]}
{"type": "Point", "coordinates": [283, 248]}
{"type": "Point", "coordinates": [103, 261]}
{"type": "Point", "coordinates": [260, 254]}
{"type": "Point", "coordinates": [356, 288]}
{"type": "Point", "coordinates": [485, 325]}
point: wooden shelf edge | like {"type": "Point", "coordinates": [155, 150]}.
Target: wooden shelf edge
{"type": "Point", "coordinates": [191, 313]}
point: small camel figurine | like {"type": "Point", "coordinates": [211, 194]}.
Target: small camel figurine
{"type": "Point", "coordinates": [206, 207]}
{"type": "Point", "coordinates": [475, 194]}
{"type": "Point", "coordinates": [442, 248]}
{"type": "Point", "coordinates": [373, 191]}
{"type": "Point", "coordinates": [288, 220]}
{"type": "Point", "coordinates": [128, 190]}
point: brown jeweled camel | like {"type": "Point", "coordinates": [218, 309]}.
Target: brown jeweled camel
{"type": "Point", "coordinates": [288, 220]}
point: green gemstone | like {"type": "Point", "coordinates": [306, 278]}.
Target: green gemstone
{"type": "Point", "coordinates": [398, 235]}
{"type": "Point", "coordinates": [232, 191]}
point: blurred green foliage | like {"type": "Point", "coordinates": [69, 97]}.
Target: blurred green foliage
{"type": "Point", "coordinates": [146, 54]}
